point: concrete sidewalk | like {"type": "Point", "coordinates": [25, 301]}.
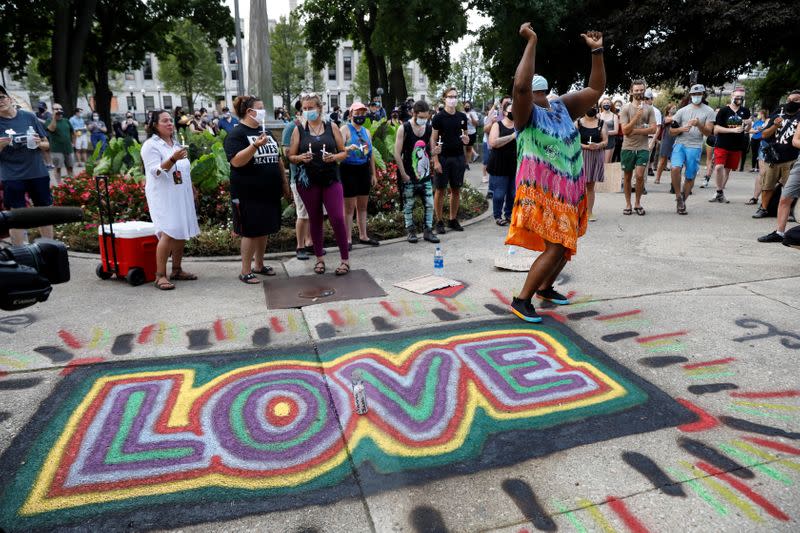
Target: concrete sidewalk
{"type": "Point", "coordinates": [665, 398]}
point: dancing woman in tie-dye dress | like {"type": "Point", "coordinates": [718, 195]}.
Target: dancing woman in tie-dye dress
{"type": "Point", "coordinates": [550, 206]}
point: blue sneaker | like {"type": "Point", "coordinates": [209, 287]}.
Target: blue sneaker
{"type": "Point", "coordinates": [551, 295]}
{"type": "Point", "coordinates": [524, 310]}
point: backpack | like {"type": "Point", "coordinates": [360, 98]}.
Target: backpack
{"type": "Point", "coordinates": [792, 237]}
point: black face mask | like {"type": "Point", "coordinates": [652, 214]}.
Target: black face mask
{"type": "Point", "coordinates": [792, 107]}
{"type": "Point", "coordinates": [591, 113]}
{"type": "Point", "coordinates": [359, 120]}
{"type": "Point", "coordinates": [607, 106]}
{"type": "Point", "coordinates": [510, 115]}
{"type": "Point", "coordinates": [467, 109]}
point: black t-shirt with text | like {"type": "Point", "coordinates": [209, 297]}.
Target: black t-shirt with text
{"type": "Point", "coordinates": [783, 136]}
{"type": "Point", "coordinates": [450, 128]}
{"type": "Point", "coordinates": [728, 118]}
{"type": "Point", "coordinates": [261, 174]}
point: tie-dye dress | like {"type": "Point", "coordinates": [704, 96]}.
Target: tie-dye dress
{"type": "Point", "coordinates": [550, 204]}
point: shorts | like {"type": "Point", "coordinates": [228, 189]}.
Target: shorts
{"type": "Point", "coordinates": [299, 206]}
{"type": "Point", "coordinates": [687, 157]}
{"type": "Point", "coordinates": [630, 159]}
{"type": "Point", "coordinates": [37, 188]}
{"type": "Point", "coordinates": [728, 158]}
{"type": "Point", "coordinates": [356, 179]}
{"type": "Point", "coordinates": [612, 142]}
{"type": "Point", "coordinates": [486, 151]}
{"type": "Point", "coordinates": [761, 147]}
{"type": "Point", "coordinates": [791, 189]}
{"type": "Point", "coordinates": [453, 168]}
{"type": "Point", "coordinates": [472, 138]}
{"type": "Point", "coordinates": [774, 174]}
{"type": "Point", "coordinates": [62, 160]}
{"type": "Point", "coordinates": [256, 218]}
{"type": "Point", "coordinates": [82, 142]}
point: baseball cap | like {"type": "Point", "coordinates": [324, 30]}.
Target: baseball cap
{"type": "Point", "coordinates": [355, 106]}
{"type": "Point", "coordinates": [539, 83]}
{"type": "Point", "coordinates": [648, 94]}
{"type": "Point", "coordinates": [697, 88]}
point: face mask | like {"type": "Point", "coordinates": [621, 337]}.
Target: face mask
{"type": "Point", "coordinates": [607, 107]}
{"type": "Point", "coordinates": [421, 121]}
{"type": "Point", "coordinates": [311, 114]}
{"type": "Point", "coordinates": [696, 99]}
{"type": "Point", "coordinates": [467, 109]}
{"type": "Point", "coordinates": [359, 120]}
{"type": "Point", "coordinates": [261, 114]}
{"type": "Point", "coordinates": [738, 101]}
{"type": "Point", "coordinates": [227, 114]}
{"type": "Point", "coordinates": [637, 97]}
{"type": "Point", "coordinates": [510, 115]}
{"type": "Point", "coordinates": [95, 117]}
{"type": "Point", "coordinates": [451, 102]}
{"type": "Point", "coordinates": [591, 113]}
{"type": "Point", "coordinates": [792, 107]}
{"type": "Point", "coordinates": [129, 117]}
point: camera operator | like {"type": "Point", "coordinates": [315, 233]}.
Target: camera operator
{"type": "Point", "coordinates": [22, 168]}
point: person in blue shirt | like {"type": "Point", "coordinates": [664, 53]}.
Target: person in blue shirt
{"type": "Point", "coordinates": [22, 169]}
{"type": "Point", "coordinates": [227, 122]}
{"type": "Point", "coordinates": [81, 137]}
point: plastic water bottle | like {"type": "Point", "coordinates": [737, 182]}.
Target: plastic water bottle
{"type": "Point", "coordinates": [438, 262]}
{"type": "Point", "coordinates": [31, 141]}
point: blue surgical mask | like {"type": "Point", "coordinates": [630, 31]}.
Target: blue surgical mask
{"type": "Point", "coordinates": [696, 99]}
{"type": "Point", "coordinates": [421, 121]}
{"type": "Point", "coordinates": [311, 114]}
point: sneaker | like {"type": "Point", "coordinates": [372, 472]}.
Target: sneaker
{"type": "Point", "coordinates": [302, 254]}
{"type": "Point", "coordinates": [439, 228]}
{"type": "Point", "coordinates": [650, 172]}
{"type": "Point", "coordinates": [592, 218]}
{"type": "Point", "coordinates": [412, 236]}
{"type": "Point", "coordinates": [524, 310]}
{"type": "Point", "coordinates": [429, 236]}
{"type": "Point", "coordinates": [489, 195]}
{"type": "Point", "coordinates": [706, 179]}
{"type": "Point", "coordinates": [791, 218]}
{"type": "Point", "coordinates": [771, 237]}
{"type": "Point", "coordinates": [454, 225]}
{"type": "Point", "coordinates": [716, 197]}
{"type": "Point", "coordinates": [681, 205]}
{"type": "Point", "coordinates": [551, 295]}
{"type": "Point", "coordinates": [760, 213]}
{"type": "Point", "coordinates": [722, 199]}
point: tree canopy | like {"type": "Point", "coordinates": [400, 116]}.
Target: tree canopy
{"type": "Point", "coordinates": [289, 62]}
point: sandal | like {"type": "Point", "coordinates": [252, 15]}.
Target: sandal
{"type": "Point", "coordinates": [342, 269]}
{"type": "Point", "coordinates": [369, 240]}
{"type": "Point", "coordinates": [162, 283]}
{"type": "Point", "coordinates": [640, 211]}
{"type": "Point", "coordinates": [501, 221]}
{"type": "Point", "coordinates": [319, 268]}
{"type": "Point", "coordinates": [181, 275]}
{"type": "Point", "coordinates": [249, 278]}
{"type": "Point", "coordinates": [265, 271]}
{"type": "Point", "coordinates": [627, 211]}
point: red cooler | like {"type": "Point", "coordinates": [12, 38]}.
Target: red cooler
{"type": "Point", "coordinates": [135, 245]}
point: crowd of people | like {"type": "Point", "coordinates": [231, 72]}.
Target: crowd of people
{"type": "Point", "coordinates": [542, 156]}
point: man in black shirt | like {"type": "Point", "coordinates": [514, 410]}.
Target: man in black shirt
{"type": "Point", "coordinates": [781, 154]}
{"type": "Point", "coordinates": [447, 146]}
{"type": "Point", "coordinates": [729, 127]}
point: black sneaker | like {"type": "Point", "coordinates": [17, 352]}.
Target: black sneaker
{"type": "Point", "coordinates": [722, 198]}
{"type": "Point", "coordinates": [439, 228]}
{"type": "Point", "coordinates": [302, 254]}
{"type": "Point", "coordinates": [429, 236]}
{"type": "Point", "coordinates": [716, 197]}
{"type": "Point", "coordinates": [551, 295]}
{"type": "Point", "coordinates": [761, 213]}
{"type": "Point", "coordinates": [650, 172]}
{"type": "Point", "coordinates": [412, 235]}
{"type": "Point", "coordinates": [489, 195]}
{"type": "Point", "coordinates": [454, 225]}
{"type": "Point", "coordinates": [771, 237]}
{"type": "Point", "coordinates": [524, 310]}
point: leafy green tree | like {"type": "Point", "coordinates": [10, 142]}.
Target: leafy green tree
{"type": "Point", "coordinates": [360, 86]}
{"type": "Point", "coordinates": [389, 33]}
{"type": "Point", "coordinates": [288, 57]}
{"type": "Point", "coordinates": [190, 68]}
{"type": "Point", "coordinates": [469, 75]}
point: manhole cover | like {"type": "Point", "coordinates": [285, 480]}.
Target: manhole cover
{"type": "Point", "coordinates": [315, 293]}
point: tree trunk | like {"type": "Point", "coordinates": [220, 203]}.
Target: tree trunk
{"type": "Point", "coordinates": [73, 21]}
{"type": "Point", "coordinates": [397, 84]}
{"type": "Point", "coordinates": [259, 64]}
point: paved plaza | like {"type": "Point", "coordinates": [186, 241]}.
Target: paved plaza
{"type": "Point", "coordinates": [664, 398]}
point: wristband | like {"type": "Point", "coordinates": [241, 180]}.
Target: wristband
{"type": "Point", "coordinates": [598, 50]}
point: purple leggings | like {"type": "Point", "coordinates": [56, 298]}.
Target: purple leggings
{"type": "Point", "coordinates": [314, 197]}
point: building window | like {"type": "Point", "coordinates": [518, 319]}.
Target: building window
{"type": "Point", "coordinates": [232, 57]}
{"type": "Point", "coordinates": [131, 102]}
{"type": "Point", "coordinates": [348, 68]}
{"type": "Point", "coordinates": [147, 67]}
{"type": "Point", "coordinates": [349, 99]}
{"type": "Point", "coordinates": [334, 100]}
{"type": "Point", "coordinates": [149, 103]}
{"type": "Point", "coordinates": [332, 73]}
{"type": "Point", "coordinates": [167, 101]}
{"type": "Point", "coordinates": [130, 76]}
{"type": "Point", "coordinates": [184, 102]}
{"type": "Point", "coordinates": [421, 77]}
{"type": "Point", "coordinates": [218, 55]}
{"type": "Point", "coordinates": [234, 73]}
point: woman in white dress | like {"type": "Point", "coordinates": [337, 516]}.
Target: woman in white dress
{"type": "Point", "coordinates": [170, 197]}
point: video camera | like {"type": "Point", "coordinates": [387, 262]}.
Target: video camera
{"type": "Point", "coordinates": [26, 272]}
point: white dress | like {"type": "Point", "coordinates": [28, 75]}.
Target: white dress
{"type": "Point", "coordinates": [171, 204]}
